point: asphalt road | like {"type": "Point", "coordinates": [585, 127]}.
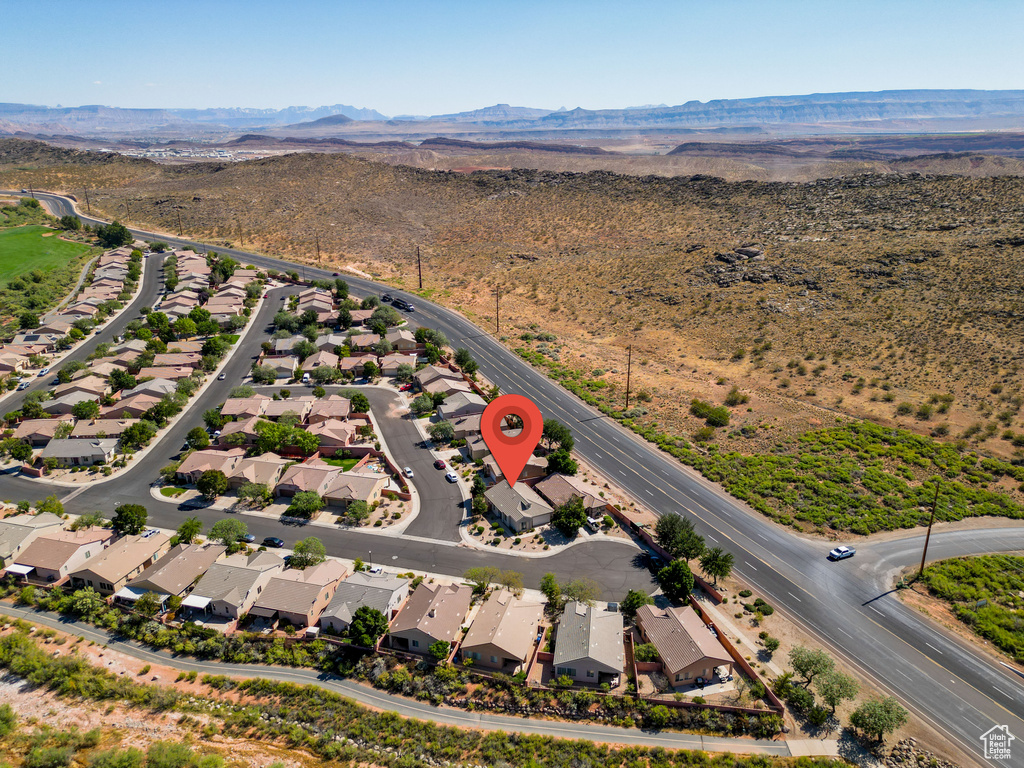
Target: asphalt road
{"type": "Point", "coordinates": [404, 706]}
{"type": "Point", "coordinates": [951, 685]}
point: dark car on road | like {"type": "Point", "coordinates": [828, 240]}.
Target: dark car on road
{"type": "Point", "coordinates": [199, 502]}
{"type": "Point", "coordinates": [841, 553]}
{"type": "Point", "coordinates": [387, 297]}
{"type": "Point", "coordinates": [273, 541]}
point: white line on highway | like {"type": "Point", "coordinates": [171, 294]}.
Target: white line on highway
{"type": "Point", "coordinates": [876, 610]}
{"type": "Point", "coordinates": [905, 675]}
{"type": "Point", "coordinates": [794, 597]}
{"type": "Point", "coordinates": [751, 567]}
{"type": "Point", "coordinates": [1003, 692]}
{"type": "Point", "coordinates": [933, 647]}
{"type": "Point", "coordinates": [840, 629]}
{"type": "Point", "coordinates": [598, 455]}
{"type": "Point", "coordinates": [711, 537]}
{"type": "Point", "coordinates": [622, 473]}
{"type": "Point", "coordinates": [649, 493]}
{"type": "Point", "coordinates": [763, 536]}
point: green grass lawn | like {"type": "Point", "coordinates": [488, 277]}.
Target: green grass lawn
{"type": "Point", "coordinates": [172, 491]}
{"type": "Point", "coordinates": [24, 249]}
{"type": "Point", "coordinates": [987, 594]}
{"type": "Point", "coordinates": [345, 464]}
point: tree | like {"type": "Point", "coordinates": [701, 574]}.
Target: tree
{"type": "Point", "coordinates": [512, 580]}
{"type": "Point", "coordinates": [149, 604]}
{"type": "Point", "coordinates": [120, 379]}
{"type": "Point", "coordinates": [212, 483]}
{"type": "Point", "coordinates": [557, 434]}
{"type": "Point", "coordinates": [21, 451]}
{"type": "Point", "coordinates": [634, 601]}
{"type": "Point", "coordinates": [356, 511]}
{"type": "Point", "coordinates": [382, 348]}
{"type": "Point", "coordinates": [185, 327]}
{"type": "Point", "coordinates": [344, 318]}
{"type": "Point", "coordinates": [440, 650]}
{"type": "Point", "coordinates": [422, 405]}
{"type": "Point", "coordinates": [307, 552]}
{"type": "Point", "coordinates": [28, 320]}
{"type": "Point", "coordinates": [86, 409]}
{"type": "Point", "coordinates": [325, 374]}
{"type": "Point", "coordinates": [835, 687]}
{"type": "Point", "coordinates": [70, 223]}
{"type": "Point", "coordinates": [138, 434]}
{"type": "Point", "coordinates": [370, 369]}
{"type": "Point", "coordinates": [255, 494]}
{"type": "Point", "coordinates": [568, 518]}
{"type": "Point", "coordinates": [368, 625]}
{"type": "Point", "coordinates": [50, 504]}
{"type": "Point", "coordinates": [878, 717]}
{"type": "Point", "coordinates": [197, 438]}
{"type": "Point", "coordinates": [561, 462]}
{"type": "Point", "coordinates": [213, 419]}
{"type": "Point", "coordinates": [87, 602]}
{"type": "Point", "coordinates": [441, 432]}
{"type": "Point", "coordinates": [480, 504]}
{"type": "Point", "coordinates": [189, 529]}
{"type": "Point", "coordinates": [465, 361]}
{"type": "Point", "coordinates": [358, 402]}
{"type": "Point", "coordinates": [113, 235]}
{"type": "Point", "coordinates": [263, 374]}
{"type": "Point", "coordinates": [551, 590]}
{"type": "Point", "coordinates": [481, 577]}
{"type": "Point", "coordinates": [229, 532]}
{"type": "Point", "coordinates": [404, 373]}
{"type": "Point", "coordinates": [581, 590]}
{"type": "Point", "coordinates": [810, 662]}
{"type": "Point", "coordinates": [676, 534]}
{"type": "Point", "coordinates": [676, 580]}
{"type": "Point", "coordinates": [716, 563]}
{"type": "Point", "coordinates": [129, 519]}
{"type": "Point", "coordinates": [305, 504]}
{"type": "Point", "coordinates": [388, 316]}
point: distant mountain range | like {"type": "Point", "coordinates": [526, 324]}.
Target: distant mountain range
{"type": "Point", "coordinates": [908, 110]}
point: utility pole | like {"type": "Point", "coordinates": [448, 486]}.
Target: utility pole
{"type": "Point", "coordinates": [629, 367]}
{"type": "Point", "coordinates": [128, 206]}
{"type": "Point", "coordinates": [317, 236]}
{"type": "Point", "coordinates": [419, 266]}
{"type": "Point", "coordinates": [497, 320]}
{"type": "Point", "coordinates": [87, 206]}
{"type": "Point", "coordinates": [179, 222]}
{"type": "Point", "coordinates": [935, 504]}
{"type": "Point", "coordinates": [32, 193]}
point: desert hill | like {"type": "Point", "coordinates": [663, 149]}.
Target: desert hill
{"type": "Point", "coordinates": [848, 295]}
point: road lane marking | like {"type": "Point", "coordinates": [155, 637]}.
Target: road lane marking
{"type": "Point", "coordinates": [840, 629]}
{"type": "Point", "coordinates": [751, 567]}
{"type": "Point", "coordinates": [905, 675]}
{"type": "Point", "coordinates": [1002, 692]}
{"type": "Point", "coordinates": [876, 610]}
{"type": "Point", "coordinates": [794, 597]}
{"type": "Point", "coordinates": [649, 493]}
{"type": "Point", "coordinates": [933, 647]}
{"type": "Point", "coordinates": [763, 536]}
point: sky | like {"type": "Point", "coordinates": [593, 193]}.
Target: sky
{"type": "Point", "coordinates": [425, 58]}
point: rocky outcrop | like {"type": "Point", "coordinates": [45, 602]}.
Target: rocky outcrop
{"type": "Point", "coordinates": [905, 754]}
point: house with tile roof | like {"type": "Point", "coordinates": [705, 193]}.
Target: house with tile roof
{"type": "Point", "coordinates": [588, 644]}
{"type": "Point", "coordinates": [230, 587]}
{"type": "Point", "coordinates": [434, 612]}
{"type": "Point", "coordinates": [687, 648]}
{"type": "Point", "coordinates": [503, 633]}
{"type": "Point", "coordinates": [54, 555]}
{"type": "Point", "coordinates": [299, 597]}
{"type": "Point", "coordinates": [383, 592]}
{"type": "Point", "coordinates": [520, 507]}
{"type": "Point", "coordinates": [123, 560]}
{"type": "Point", "coordinates": [17, 532]}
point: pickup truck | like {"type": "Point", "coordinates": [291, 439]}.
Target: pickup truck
{"type": "Point", "coordinates": [841, 553]}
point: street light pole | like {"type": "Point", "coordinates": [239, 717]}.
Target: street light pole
{"type": "Point", "coordinates": [419, 266]}
{"type": "Point", "coordinates": [497, 316]}
{"type": "Point", "coordinates": [935, 504]}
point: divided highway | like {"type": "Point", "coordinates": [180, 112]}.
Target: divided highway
{"type": "Point", "coordinates": [951, 685]}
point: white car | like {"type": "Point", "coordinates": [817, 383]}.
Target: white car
{"type": "Point", "coordinates": [222, 377]}
{"type": "Point", "coordinates": [44, 372]}
{"type": "Point", "coordinates": [451, 477]}
{"type": "Point", "coordinates": [841, 553]}
{"type": "Point", "coordinates": [408, 471]}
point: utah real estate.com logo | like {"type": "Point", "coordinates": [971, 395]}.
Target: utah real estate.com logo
{"type": "Point", "coordinates": [997, 742]}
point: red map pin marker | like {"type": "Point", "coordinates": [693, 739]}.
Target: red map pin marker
{"type": "Point", "coordinates": [511, 451]}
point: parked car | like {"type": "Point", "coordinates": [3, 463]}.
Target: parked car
{"type": "Point", "coordinates": [222, 377]}
{"type": "Point", "coordinates": [405, 388]}
{"type": "Point", "coordinates": [407, 471]}
{"type": "Point", "coordinates": [439, 464]}
{"type": "Point", "coordinates": [248, 538]}
{"type": "Point", "coordinates": [451, 477]}
{"type": "Point", "coordinates": [266, 295]}
{"type": "Point", "coordinates": [43, 372]}
{"type": "Point", "coordinates": [23, 385]}
{"type": "Point", "coordinates": [55, 382]}
{"type": "Point", "coordinates": [273, 541]}
{"type": "Point", "coordinates": [841, 553]}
